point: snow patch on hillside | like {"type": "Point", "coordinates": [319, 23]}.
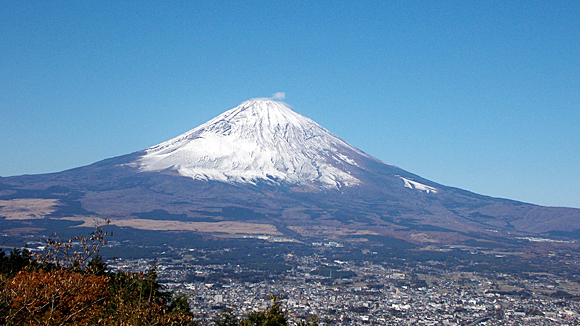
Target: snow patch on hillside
{"type": "Point", "coordinates": [418, 186]}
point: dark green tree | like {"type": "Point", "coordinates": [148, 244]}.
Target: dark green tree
{"type": "Point", "coordinates": [226, 318]}
{"type": "Point", "coordinates": [18, 259]}
{"type": "Point", "coordinates": [273, 317]}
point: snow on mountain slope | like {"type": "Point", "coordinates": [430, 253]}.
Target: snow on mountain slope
{"type": "Point", "coordinates": [418, 186]}
{"type": "Point", "coordinates": [261, 139]}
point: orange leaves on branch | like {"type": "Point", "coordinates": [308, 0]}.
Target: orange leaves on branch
{"type": "Point", "coordinates": [56, 297]}
{"type": "Point", "coordinates": [69, 285]}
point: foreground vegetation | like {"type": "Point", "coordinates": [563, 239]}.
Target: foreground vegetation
{"type": "Point", "coordinates": [69, 284]}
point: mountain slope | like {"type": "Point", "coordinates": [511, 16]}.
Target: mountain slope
{"type": "Point", "coordinates": [258, 140]}
{"type": "Point", "coordinates": [263, 164]}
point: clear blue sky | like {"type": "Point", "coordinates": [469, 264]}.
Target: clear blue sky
{"type": "Point", "coordinates": [481, 95]}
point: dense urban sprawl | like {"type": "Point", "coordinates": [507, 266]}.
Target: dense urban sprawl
{"type": "Point", "coordinates": [360, 293]}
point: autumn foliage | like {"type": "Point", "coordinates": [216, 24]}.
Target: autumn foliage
{"type": "Point", "coordinates": [68, 284]}
{"type": "Point", "coordinates": [59, 296]}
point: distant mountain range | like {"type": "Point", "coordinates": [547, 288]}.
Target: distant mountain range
{"type": "Point", "coordinates": [263, 169]}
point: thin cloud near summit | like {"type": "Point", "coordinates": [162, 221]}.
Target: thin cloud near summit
{"type": "Point", "coordinates": [279, 96]}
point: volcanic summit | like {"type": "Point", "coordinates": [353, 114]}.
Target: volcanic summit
{"type": "Point", "coordinates": [261, 139]}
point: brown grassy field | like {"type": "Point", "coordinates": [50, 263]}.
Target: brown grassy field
{"type": "Point", "coordinates": [27, 209]}
{"type": "Point", "coordinates": [228, 227]}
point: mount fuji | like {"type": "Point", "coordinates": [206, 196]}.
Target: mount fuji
{"type": "Point", "coordinates": [263, 169]}
{"type": "Point", "coordinates": [260, 140]}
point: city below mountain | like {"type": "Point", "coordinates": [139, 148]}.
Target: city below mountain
{"type": "Point", "coordinates": [262, 170]}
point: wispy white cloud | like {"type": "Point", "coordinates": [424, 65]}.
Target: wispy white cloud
{"type": "Point", "coordinates": [279, 96]}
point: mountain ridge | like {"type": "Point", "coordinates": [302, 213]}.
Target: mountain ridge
{"type": "Point", "coordinates": [251, 188]}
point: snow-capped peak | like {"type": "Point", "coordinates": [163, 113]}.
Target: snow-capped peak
{"type": "Point", "coordinates": [261, 139]}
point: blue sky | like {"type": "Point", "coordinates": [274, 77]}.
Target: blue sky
{"type": "Point", "coordinates": [481, 95]}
